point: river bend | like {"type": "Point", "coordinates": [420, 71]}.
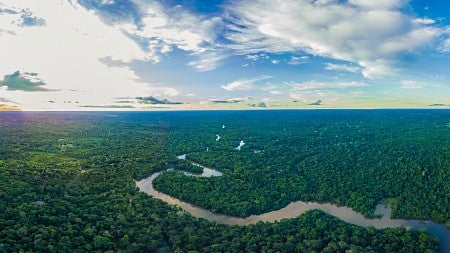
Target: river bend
{"type": "Point", "coordinates": [297, 208]}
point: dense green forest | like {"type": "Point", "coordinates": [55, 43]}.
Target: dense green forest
{"type": "Point", "coordinates": [352, 158]}
{"type": "Point", "coordinates": [67, 180]}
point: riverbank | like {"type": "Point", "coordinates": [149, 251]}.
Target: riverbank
{"type": "Point", "coordinates": [297, 208]}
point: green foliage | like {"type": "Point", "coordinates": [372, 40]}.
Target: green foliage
{"type": "Point", "coordinates": [352, 158]}
{"type": "Point", "coordinates": [185, 166]}
{"type": "Point", "coordinates": [67, 184]}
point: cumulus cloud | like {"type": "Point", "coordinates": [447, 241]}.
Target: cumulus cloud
{"type": "Point", "coordinates": [296, 60]}
{"type": "Point", "coordinates": [276, 92]}
{"type": "Point", "coordinates": [29, 82]}
{"type": "Point", "coordinates": [161, 29]}
{"type": "Point", "coordinates": [107, 2]}
{"type": "Point", "coordinates": [424, 21]}
{"type": "Point", "coordinates": [244, 84]}
{"type": "Point", "coordinates": [444, 47]}
{"type": "Point", "coordinates": [252, 57]}
{"type": "Point", "coordinates": [368, 33]}
{"type": "Point", "coordinates": [66, 53]}
{"type": "Point", "coordinates": [378, 5]}
{"type": "Point", "coordinates": [342, 67]}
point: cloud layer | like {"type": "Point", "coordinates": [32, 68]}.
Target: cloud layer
{"type": "Point", "coordinates": [160, 30]}
{"type": "Point", "coordinates": [70, 46]}
{"type": "Point", "coordinates": [67, 52]}
{"type": "Point", "coordinates": [368, 33]}
{"type": "Point", "coordinates": [91, 52]}
{"type": "Point", "coordinates": [244, 84]}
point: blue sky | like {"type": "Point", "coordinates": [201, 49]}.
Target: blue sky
{"type": "Point", "coordinates": [107, 54]}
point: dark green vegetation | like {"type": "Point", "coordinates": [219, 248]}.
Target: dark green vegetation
{"type": "Point", "coordinates": [352, 158]}
{"type": "Point", "coordinates": [66, 179]}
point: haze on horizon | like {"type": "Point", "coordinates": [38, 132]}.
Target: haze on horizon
{"type": "Point", "coordinates": [223, 54]}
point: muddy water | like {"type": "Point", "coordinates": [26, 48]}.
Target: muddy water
{"type": "Point", "coordinates": [296, 208]}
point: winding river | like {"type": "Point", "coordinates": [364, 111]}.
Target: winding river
{"type": "Point", "coordinates": [296, 208]}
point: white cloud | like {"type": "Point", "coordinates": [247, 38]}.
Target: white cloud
{"type": "Point", "coordinates": [379, 4]}
{"type": "Point", "coordinates": [244, 84]}
{"type": "Point", "coordinates": [252, 57]}
{"type": "Point", "coordinates": [342, 67]}
{"type": "Point", "coordinates": [207, 61]}
{"type": "Point", "coordinates": [314, 85]}
{"type": "Point", "coordinates": [376, 68]}
{"type": "Point", "coordinates": [167, 92]}
{"type": "Point", "coordinates": [164, 29]}
{"type": "Point", "coordinates": [328, 97]}
{"type": "Point", "coordinates": [274, 89]}
{"type": "Point", "coordinates": [424, 21]}
{"type": "Point", "coordinates": [296, 60]}
{"type": "Point", "coordinates": [31, 77]}
{"type": "Point", "coordinates": [107, 2]}
{"type": "Point", "coordinates": [68, 52]}
{"type": "Point", "coordinates": [368, 33]}
{"type": "Point", "coordinates": [256, 57]}
{"type": "Point", "coordinates": [276, 92]}
{"type": "Point", "coordinates": [311, 85]}
{"type": "Point", "coordinates": [444, 47]}
{"type": "Point", "coordinates": [275, 62]}
{"type": "Point", "coordinates": [410, 84]}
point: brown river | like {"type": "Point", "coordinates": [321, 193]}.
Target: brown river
{"type": "Point", "coordinates": [297, 208]}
